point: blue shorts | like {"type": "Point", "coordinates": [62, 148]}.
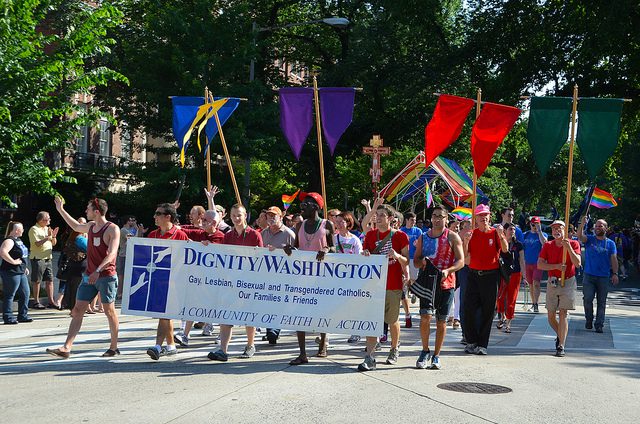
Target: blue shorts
{"type": "Point", "coordinates": [106, 286]}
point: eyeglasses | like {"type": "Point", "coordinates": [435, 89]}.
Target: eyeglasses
{"type": "Point", "coordinates": [158, 213]}
{"type": "Point", "coordinates": [438, 216]}
{"type": "Point", "coordinates": [333, 215]}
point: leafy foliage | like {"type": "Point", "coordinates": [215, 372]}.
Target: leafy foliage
{"type": "Point", "coordinates": [47, 53]}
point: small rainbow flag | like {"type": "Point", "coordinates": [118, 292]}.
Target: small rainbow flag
{"type": "Point", "coordinates": [287, 199]}
{"type": "Point", "coordinates": [463, 214]}
{"type": "Point", "coordinates": [602, 200]}
{"type": "Point", "coordinates": [427, 195]}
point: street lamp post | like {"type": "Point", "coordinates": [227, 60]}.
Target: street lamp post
{"type": "Point", "coordinates": [335, 22]}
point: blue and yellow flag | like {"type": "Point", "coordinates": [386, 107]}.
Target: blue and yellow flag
{"type": "Point", "coordinates": [191, 111]}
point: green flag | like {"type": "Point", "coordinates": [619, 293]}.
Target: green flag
{"type": "Point", "coordinates": [548, 128]}
{"type": "Point", "coordinates": [598, 131]}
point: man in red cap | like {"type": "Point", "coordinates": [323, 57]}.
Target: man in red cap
{"type": "Point", "coordinates": [561, 298]}
{"type": "Point", "coordinates": [316, 235]}
{"type": "Point", "coordinates": [482, 247]}
{"type": "Point", "coordinates": [534, 239]}
{"type": "Point", "coordinates": [276, 236]}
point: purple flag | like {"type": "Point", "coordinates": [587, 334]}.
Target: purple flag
{"type": "Point", "coordinates": [336, 111]}
{"type": "Point", "coordinates": [296, 116]}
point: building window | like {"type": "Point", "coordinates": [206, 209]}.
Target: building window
{"type": "Point", "coordinates": [105, 138]}
{"type": "Point", "coordinates": [125, 142]}
{"type": "Point", "coordinates": [82, 142]}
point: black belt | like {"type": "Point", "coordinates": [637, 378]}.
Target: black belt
{"type": "Point", "coordinates": [485, 272]}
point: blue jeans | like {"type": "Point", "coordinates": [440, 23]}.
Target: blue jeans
{"type": "Point", "coordinates": [592, 286]}
{"type": "Point", "coordinates": [15, 286]}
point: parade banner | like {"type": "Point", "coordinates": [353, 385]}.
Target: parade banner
{"type": "Point", "coordinates": [253, 286]}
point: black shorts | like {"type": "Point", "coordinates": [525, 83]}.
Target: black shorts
{"type": "Point", "coordinates": [440, 306]}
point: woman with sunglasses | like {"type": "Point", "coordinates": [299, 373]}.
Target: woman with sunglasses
{"type": "Point", "coordinates": [508, 293]}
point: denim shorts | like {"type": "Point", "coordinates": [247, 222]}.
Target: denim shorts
{"type": "Point", "coordinates": [438, 307]}
{"type": "Point", "coordinates": [106, 286]}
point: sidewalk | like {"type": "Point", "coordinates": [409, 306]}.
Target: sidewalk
{"type": "Point", "coordinates": [188, 388]}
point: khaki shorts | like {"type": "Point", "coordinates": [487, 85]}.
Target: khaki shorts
{"type": "Point", "coordinates": [562, 297]}
{"type": "Point", "coordinates": [392, 306]}
{"type": "Point", "coordinates": [41, 270]}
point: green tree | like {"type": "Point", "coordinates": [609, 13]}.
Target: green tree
{"type": "Point", "coordinates": [47, 55]}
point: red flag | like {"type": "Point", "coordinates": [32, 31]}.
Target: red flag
{"type": "Point", "coordinates": [489, 131]}
{"type": "Point", "coordinates": [445, 125]}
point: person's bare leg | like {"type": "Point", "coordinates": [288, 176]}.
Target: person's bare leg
{"type": "Point", "coordinates": [225, 336]}
{"type": "Point", "coordinates": [48, 286]}
{"type": "Point", "coordinates": [405, 305]}
{"type": "Point", "coordinates": [371, 345]}
{"type": "Point", "coordinates": [161, 333]}
{"type": "Point", "coordinates": [441, 331]}
{"type": "Point", "coordinates": [395, 334]}
{"type": "Point", "coordinates": [77, 315]}
{"type": "Point", "coordinates": [425, 329]}
{"type": "Point", "coordinates": [535, 291]}
{"type": "Point", "coordinates": [302, 336]}
{"type": "Point", "coordinates": [251, 335]}
{"type": "Point", "coordinates": [169, 333]}
{"type": "Point", "coordinates": [563, 326]}
{"type": "Point", "coordinates": [551, 317]}
{"type": "Point", "coordinates": [36, 292]}
{"type": "Point", "coordinates": [112, 318]}
{"type": "Point", "coordinates": [187, 328]}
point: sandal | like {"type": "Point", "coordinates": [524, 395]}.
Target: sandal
{"type": "Point", "coordinates": [500, 325]}
{"type": "Point", "coordinates": [322, 351]}
{"type": "Point", "coordinates": [59, 353]}
{"type": "Point", "coordinates": [110, 352]}
{"type": "Point", "coordinates": [507, 329]}
{"type": "Point", "coordinates": [300, 360]}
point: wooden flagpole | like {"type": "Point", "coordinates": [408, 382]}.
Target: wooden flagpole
{"type": "Point", "coordinates": [208, 157]}
{"type": "Point", "coordinates": [567, 204]}
{"type": "Point", "coordinates": [228, 158]}
{"type": "Point", "coordinates": [319, 132]}
{"type": "Point", "coordinates": [474, 199]}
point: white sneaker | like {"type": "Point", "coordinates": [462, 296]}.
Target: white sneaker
{"type": "Point", "coordinates": [181, 339]}
{"type": "Point", "coordinates": [435, 363]}
{"type": "Point", "coordinates": [207, 330]}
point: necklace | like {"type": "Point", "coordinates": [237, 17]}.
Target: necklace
{"type": "Point", "coordinates": [310, 236]}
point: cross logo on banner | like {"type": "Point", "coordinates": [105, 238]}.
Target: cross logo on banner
{"type": "Point", "coordinates": [150, 278]}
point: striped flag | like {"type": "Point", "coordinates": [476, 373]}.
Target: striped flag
{"type": "Point", "coordinates": [602, 200]}
{"type": "Point", "coordinates": [463, 214]}
{"type": "Point", "coordinates": [427, 195]}
{"type": "Point", "coordinates": [287, 199]}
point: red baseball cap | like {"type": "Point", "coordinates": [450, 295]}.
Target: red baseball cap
{"type": "Point", "coordinates": [315, 196]}
{"type": "Point", "coordinates": [535, 219]}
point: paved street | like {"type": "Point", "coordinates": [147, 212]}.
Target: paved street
{"type": "Point", "coordinates": [598, 380]}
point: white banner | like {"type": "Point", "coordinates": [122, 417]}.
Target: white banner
{"type": "Point", "coordinates": [252, 286]}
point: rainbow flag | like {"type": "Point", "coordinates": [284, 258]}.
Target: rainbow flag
{"type": "Point", "coordinates": [602, 200]}
{"type": "Point", "coordinates": [463, 214]}
{"type": "Point", "coordinates": [287, 199]}
{"type": "Point", "coordinates": [427, 194]}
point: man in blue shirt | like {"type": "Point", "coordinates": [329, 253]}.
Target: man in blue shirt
{"type": "Point", "coordinates": [533, 242]}
{"type": "Point", "coordinates": [601, 264]}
